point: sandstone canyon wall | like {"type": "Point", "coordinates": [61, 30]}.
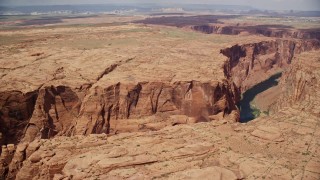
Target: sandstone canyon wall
{"type": "Point", "coordinates": [16, 111]}
{"type": "Point", "coordinates": [259, 30]}
{"type": "Point", "coordinates": [60, 110]}
{"type": "Point", "coordinates": [120, 107]}
{"type": "Point", "coordinates": [250, 64]}
{"type": "Point", "coordinates": [98, 155]}
{"type": "Point", "coordinates": [300, 84]}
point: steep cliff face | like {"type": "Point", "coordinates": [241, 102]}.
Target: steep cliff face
{"type": "Point", "coordinates": [212, 29]}
{"type": "Point", "coordinates": [54, 110]}
{"type": "Point", "coordinates": [250, 64]}
{"type": "Point", "coordinates": [300, 84]}
{"type": "Point", "coordinates": [106, 157]}
{"type": "Point", "coordinates": [145, 106]}
{"type": "Point", "coordinates": [16, 109]}
{"type": "Point", "coordinates": [128, 107]}
{"type": "Point", "coordinates": [258, 30]}
{"type": "Point", "coordinates": [111, 109]}
{"type": "Point", "coordinates": [123, 107]}
{"type": "Point", "coordinates": [285, 145]}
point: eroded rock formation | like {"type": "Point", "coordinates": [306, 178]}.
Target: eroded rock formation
{"type": "Point", "coordinates": [300, 84]}
{"type": "Point", "coordinates": [62, 111]}
{"type": "Point", "coordinates": [211, 24]}
{"type": "Point", "coordinates": [16, 108]}
{"type": "Point", "coordinates": [266, 30]}
{"type": "Point", "coordinates": [123, 107]}
{"type": "Point", "coordinates": [106, 106]}
{"type": "Point", "coordinates": [250, 64]}
{"type": "Point", "coordinates": [283, 145]}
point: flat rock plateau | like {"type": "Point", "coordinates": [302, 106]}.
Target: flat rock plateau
{"type": "Point", "coordinates": [157, 98]}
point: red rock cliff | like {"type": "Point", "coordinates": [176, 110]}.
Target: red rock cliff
{"type": "Point", "coordinates": [300, 84]}
{"type": "Point", "coordinates": [114, 108]}
{"type": "Point", "coordinates": [266, 30]}
{"type": "Point", "coordinates": [250, 64]}
{"type": "Point", "coordinates": [128, 107]}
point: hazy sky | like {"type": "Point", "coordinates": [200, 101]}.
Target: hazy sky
{"type": "Point", "coordinates": [261, 4]}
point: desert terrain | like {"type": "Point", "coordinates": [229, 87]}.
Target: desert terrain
{"type": "Point", "coordinates": [160, 97]}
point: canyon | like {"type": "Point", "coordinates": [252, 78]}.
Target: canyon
{"type": "Point", "coordinates": [138, 101]}
{"type": "Point", "coordinates": [269, 31]}
{"type": "Point", "coordinates": [236, 25]}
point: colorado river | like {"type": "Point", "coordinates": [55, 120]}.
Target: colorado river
{"type": "Point", "coordinates": [247, 111]}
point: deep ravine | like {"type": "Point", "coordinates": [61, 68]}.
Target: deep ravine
{"type": "Point", "coordinates": [247, 111]}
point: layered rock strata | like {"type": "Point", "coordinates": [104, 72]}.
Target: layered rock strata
{"type": "Point", "coordinates": [105, 105]}
{"type": "Point", "coordinates": [300, 83]}
{"type": "Point", "coordinates": [123, 107]}
{"type": "Point", "coordinates": [250, 64]}
{"type": "Point", "coordinates": [211, 24]}
{"type": "Point", "coordinates": [257, 30]}
{"type": "Point", "coordinates": [283, 145]}
{"type": "Point", "coordinates": [16, 111]}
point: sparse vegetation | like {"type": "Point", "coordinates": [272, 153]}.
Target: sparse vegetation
{"type": "Point", "coordinates": [307, 153]}
{"type": "Point", "coordinates": [266, 113]}
{"type": "Point", "coordinates": [256, 112]}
